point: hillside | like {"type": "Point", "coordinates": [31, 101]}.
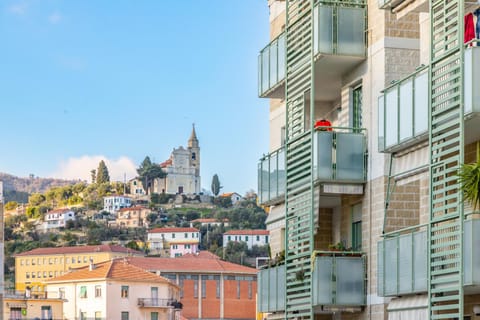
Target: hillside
{"type": "Point", "coordinates": [17, 189]}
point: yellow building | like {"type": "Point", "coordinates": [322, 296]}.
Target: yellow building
{"type": "Point", "coordinates": [24, 305]}
{"type": "Point", "coordinates": [33, 267]}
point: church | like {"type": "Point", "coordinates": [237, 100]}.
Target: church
{"type": "Point", "coordinates": [182, 169]}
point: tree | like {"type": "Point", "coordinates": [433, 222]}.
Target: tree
{"type": "Point", "coordinates": [102, 173]}
{"type": "Point", "coordinates": [148, 172]}
{"type": "Point", "coordinates": [216, 185]}
{"type": "Point", "coordinates": [93, 172]}
{"type": "Point", "coordinates": [11, 205]}
{"type": "Point", "coordinates": [469, 178]}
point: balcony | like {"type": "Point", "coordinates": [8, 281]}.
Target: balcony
{"type": "Point", "coordinates": [271, 69]}
{"type": "Point", "coordinates": [403, 107]}
{"type": "Point", "coordinates": [340, 156]}
{"type": "Point", "coordinates": [402, 261]}
{"type": "Point", "coordinates": [159, 303]}
{"type": "Point", "coordinates": [338, 281]}
{"type": "Point", "coordinates": [339, 33]}
{"type": "Point", "coordinates": [338, 284]}
{"type": "Point", "coordinates": [271, 177]}
{"type": "Point", "coordinates": [271, 289]}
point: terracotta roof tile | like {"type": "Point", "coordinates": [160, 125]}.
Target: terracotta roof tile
{"type": "Point", "coordinates": [173, 230]}
{"type": "Point", "coordinates": [117, 269]}
{"type": "Point", "coordinates": [247, 232]}
{"type": "Point", "coordinates": [79, 249]}
{"type": "Point", "coordinates": [190, 264]}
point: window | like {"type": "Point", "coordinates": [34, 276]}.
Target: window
{"type": "Point", "coordinates": [83, 315]}
{"type": "Point", "coordinates": [356, 113]}
{"type": "Point", "coordinates": [180, 283]}
{"type": "Point", "coordinates": [83, 292]}
{"type": "Point", "coordinates": [16, 313]}
{"type": "Point", "coordinates": [21, 262]}
{"type": "Point", "coordinates": [204, 288]}
{"type": "Point", "coordinates": [124, 315]}
{"type": "Point", "coordinates": [193, 235]}
{"type": "Point", "coordinates": [357, 227]}
{"type": "Point", "coordinates": [266, 239]}
{"type": "Point", "coordinates": [194, 156]}
{"type": "Point", "coordinates": [217, 282]}
{"type": "Point", "coordinates": [249, 289]}
{"type": "Point", "coordinates": [27, 275]}
{"type": "Point", "coordinates": [186, 235]}
{"type": "Point", "coordinates": [246, 238]}
{"type": "Point", "coordinates": [154, 316]}
{"type": "Point", "coordinates": [258, 238]}
{"type": "Point", "coordinates": [98, 315]}
{"type": "Point", "coordinates": [229, 238]}
{"type": "Point", "coordinates": [124, 292]}
{"type": "Point", "coordinates": [173, 235]}
{"type": "Point", "coordinates": [61, 293]}
{"type": "Point", "coordinates": [98, 291]}
{"type": "Point", "coordinates": [195, 289]}
{"type": "Point", "coordinates": [47, 312]}
{"type": "Point", "coordinates": [238, 289]}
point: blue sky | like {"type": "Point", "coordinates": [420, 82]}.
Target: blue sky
{"type": "Point", "coordinates": [119, 80]}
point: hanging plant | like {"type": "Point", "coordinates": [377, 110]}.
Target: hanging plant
{"type": "Point", "coordinates": [469, 178]}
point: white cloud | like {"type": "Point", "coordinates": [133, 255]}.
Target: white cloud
{"type": "Point", "coordinates": [55, 18]}
{"type": "Point", "coordinates": [79, 168]}
{"type": "Point", "coordinates": [18, 8]}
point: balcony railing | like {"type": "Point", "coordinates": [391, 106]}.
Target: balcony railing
{"type": "Point", "coordinates": [271, 176]}
{"type": "Point", "coordinates": [403, 106]}
{"type": "Point", "coordinates": [339, 279]}
{"type": "Point", "coordinates": [271, 66]}
{"type": "Point", "coordinates": [159, 303]}
{"type": "Point", "coordinates": [339, 28]}
{"type": "Point", "coordinates": [17, 294]}
{"type": "Point", "coordinates": [340, 155]}
{"type": "Point", "coordinates": [271, 289]}
{"type": "Point", "coordinates": [403, 260]}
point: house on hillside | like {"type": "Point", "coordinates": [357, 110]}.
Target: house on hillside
{"type": "Point", "coordinates": [114, 203]}
{"type": "Point", "coordinates": [116, 289]}
{"type": "Point", "coordinates": [58, 218]}
{"type": "Point", "coordinates": [250, 237]}
{"type": "Point", "coordinates": [235, 197]}
{"type": "Point", "coordinates": [173, 242]}
{"type": "Point", "coordinates": [210, 288]}
{"type": "Point", "coordinates": [209, 222]}
{"type": "Point", "coordinates": [132, 217]}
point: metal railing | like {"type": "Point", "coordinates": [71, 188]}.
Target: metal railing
{"type": "Point", "coordinates": [155, 302]}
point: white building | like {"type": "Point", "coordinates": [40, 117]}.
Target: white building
{"type": "Point", "coordinates": [174, 242]}
{"type": "Point", "coordinates": [235, 197]}
{"type": "Point", "coordinates": [58, 218]}
{"type": "Point", "coordinates": [114, 203]}
{"type": "Point", "coordinates": [250, 237]}
{"type": "Point", "coordinates": [116, 289]}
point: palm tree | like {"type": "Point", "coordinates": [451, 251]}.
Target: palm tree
{"type": "Point", "coordinates": [469, 178]}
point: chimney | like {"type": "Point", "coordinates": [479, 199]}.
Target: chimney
{"type": "Point", "coordinates": [91, 267]}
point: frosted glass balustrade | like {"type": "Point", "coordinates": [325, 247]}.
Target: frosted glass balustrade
{"type": "Point", "coordinates": [271, 176]}
{"type": "Point", "coordinates": [271, 65]}
{"type": "Point", "coordinates": [271, 297]}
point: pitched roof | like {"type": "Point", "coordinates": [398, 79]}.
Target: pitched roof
{"type": "Point", "coordinates": [228, 194]}
{"type": "Point", "coordinates": [209, 220]}
{"type": "Point", "coordinates": [135, 208]}
{"type": "Point", "coordinates": [116, 269]}
{"type": "Point", "coordinates": [63, 210]}
{"type": "Point", "coordinates": [248, 232]}
{"type": "Point", "coordinates": [166, 163]}
{"type": "Point", "coordinates": [172, 230]}
{"type": "Point", "coordinates": [79, 249]}
{"type": "Point", "coordinates": [191, 263]}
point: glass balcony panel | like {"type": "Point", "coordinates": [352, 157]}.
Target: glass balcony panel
{"type": "Point", "coordinates": [260, 87]}
{"type": "Point", "coordinates": [271, 292]}
{"type": "Point", "coordinates": [273, 176]}
{"type": "Point", "coordinates": [350, 156]}
{"type": "Point", "coordinates": [405, 263]}
{"type": "Point", "coordinates": [265, 69]}
{"type": "Point", "coordinates": [421, 103]}
{"type": "Point", "coordinates": [272, 288]}
{"type": "Point", "coordinates": [351, 28]}
{"type": "Point", "coordinates": [469, 81]}
{"type": "Point", "coordinates": [265, 180]}
{"type": "Point", "coordinates": [324, 19]}
{"type": "Point", "coordinates": [350, 278]}
{"type": "Point", "coordinates": [391, 123]}
{"type": "Point", "coordinates": [380, 268]}
{"type": "Point", "coordinates": [281, 273]}
{"type": "Point", "coordinates": [263, 291]}
{"type": "Point", "coordinates": [390, 268]}
{"type": "Point", "coordinates": [281, 172]}
{"type": "Point", "coordinates": [406, 110]}
{"type": "Point", "coordinates": [323, 155]}
{"type": "Point", "coordinates": [281, 57]}
{"type": "Point", "coordinates": [273, 63]}
{"type": "Point", "coordinates": [381, 123]}
{"type": "Point", "coordinates": [322, 281]}
{"type": "Point", "coordinates": [419, 262]}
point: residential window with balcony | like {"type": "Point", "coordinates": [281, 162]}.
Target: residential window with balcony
{"type": "Point", "coordinates": [356, 112]}
{"type": "Point", "coordinates": [357, 227]}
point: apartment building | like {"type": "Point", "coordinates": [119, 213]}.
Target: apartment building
{"type": "Point", "coordinates": [250, 237]}
{"type": "Point", "coordinates": [373, 108]}
{"type": "Point", "coordinates": [210, 288]}
{"type": "Point", "coordinates": [173, 242]}
{"type": "Point", "coordinates": [114, 203]}
{"type": "Point", "coordinates": [133, 217]}
{"type": "Point", "coordinates": [34, 267]}
{"type": "Point", "coordinates": [24, 305]}
{"type": "Point", "coordinates": [57, 218]}
{"type": "Point", "coordinates": [116, 289]}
